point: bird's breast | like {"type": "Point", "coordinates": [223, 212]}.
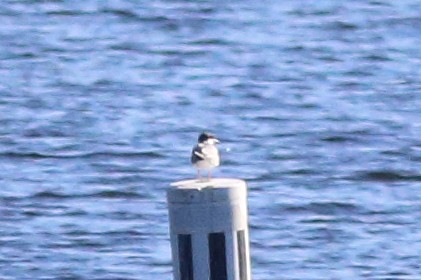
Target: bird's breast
{"type": "Point", "coordinates": [212, 154]}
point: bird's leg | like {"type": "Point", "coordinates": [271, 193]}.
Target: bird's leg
{"type": "Point", "coordinates": [209, 175]}
{"type": "Point", "coordinates": [199, 177]}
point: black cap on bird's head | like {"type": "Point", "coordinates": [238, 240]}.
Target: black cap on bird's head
{"type": "Point", "coordinates": [205, 136]}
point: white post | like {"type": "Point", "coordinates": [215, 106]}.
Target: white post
{"type": "Point", "coordinates": [209, 230]}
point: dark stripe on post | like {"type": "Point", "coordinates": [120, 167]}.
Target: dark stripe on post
{"type": "Point", "coordinates": [242, 257]}
{"type": "Point", "coordinates": [185, 257]}
{"type": "Point", "coordinates": [217, 256]}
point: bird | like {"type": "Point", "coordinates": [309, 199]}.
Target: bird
{"type": "Point", "coordinates": [205, 154]}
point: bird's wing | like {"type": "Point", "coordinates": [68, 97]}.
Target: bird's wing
{"type": "Point", "coordinates": [199, 154]}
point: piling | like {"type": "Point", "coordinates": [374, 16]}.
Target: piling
{"type": "Point", "coordinates": [209, 229]}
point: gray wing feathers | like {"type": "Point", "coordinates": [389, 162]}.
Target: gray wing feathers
{"type": "Point", "coordinates": [197, 154]}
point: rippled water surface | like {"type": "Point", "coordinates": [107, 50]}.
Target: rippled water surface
{"type": "Point", "coordinates": [317, 104]}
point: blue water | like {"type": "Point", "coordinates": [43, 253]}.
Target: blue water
{"type": "Point", "coordinates": [317, 105]}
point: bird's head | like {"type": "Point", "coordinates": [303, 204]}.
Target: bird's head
{"type": "Point", "coordinates": [207, 138]}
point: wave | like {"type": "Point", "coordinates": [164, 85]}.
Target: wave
{"type": "Point", "coordinates": [386, 176]}
{"type": "Point", "coordinates": [37, 155]}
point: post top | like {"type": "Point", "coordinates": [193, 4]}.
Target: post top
{"type": "Point", "coordinates": [213, 183]}
{"type": "Point", "coordinates": [196, 191]}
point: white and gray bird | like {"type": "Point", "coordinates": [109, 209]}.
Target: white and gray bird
{"type": "Point", "coordinates": [205, 155]}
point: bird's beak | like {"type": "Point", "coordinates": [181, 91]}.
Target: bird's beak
{"type": "Point", "coordinates": [217, 141]}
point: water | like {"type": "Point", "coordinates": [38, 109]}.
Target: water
{"type": "Point", "coordinates": [317, 106]}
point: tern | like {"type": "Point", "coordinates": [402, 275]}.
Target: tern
{"type": "Point", "coordinates": [205, 154]}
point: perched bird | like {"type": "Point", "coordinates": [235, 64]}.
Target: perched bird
{"type": "Point", "coordinates": [205, 154]}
